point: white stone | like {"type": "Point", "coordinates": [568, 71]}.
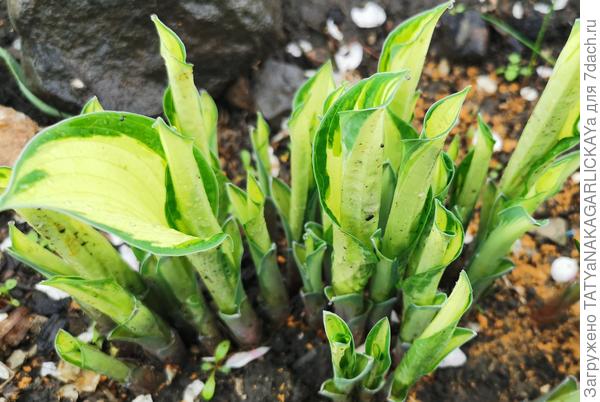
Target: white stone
{"type": "Point", "coordinates": [371, 15]}
{"type": "Point", "coordinates": [529, 94]}
{"type": "Point", "coordinates": [143, 398]}
{"type": "Point", "coordinates": [48, 369]}
{"type": "Point", "coordinates": [517, 10]}
{"type": "Point", "coordinates": [564, 269]}
{"type": "Point", "coordinates": [192, 391]}
{"type": "Point", "coordinates": [6, 243]}
{"type": "Point", "coordinates": [575, 177]}
{"type": "Point", "coordinates": [240, 359]}
{"type": "Point", "coordinates": [88, 335]}
{"type": "Point", "coordinates": [77, 83]}
{"type": "Point", "coordinates": [293, 49]}
{"type": "Point", "coordinates": [487, 84]}
{"type": "Point", "coordinates": [3, 316]}
{"type": "Point", "coordinates": [5, 372]}
{"type": "Point", "coordinates": [456, 358]}
{"type": "Point", "coordinates": [544, 71]}
{"type": "Point", "coordinates": [468, 238]}
{"type": "Point", "coordinates": [305, 45]}
{"type": "Point", "coordinates": [68, 392]}
{"type": "Point", "coordinates": [560, 4]}
{"type": "Point", "coordinates": [53, 293]}
{"type": "Point", "coordinates": [542, 8]}
{"type": "Point", "coordinates": [333, 30]}
{"type": "Point", "coordinates": [349, 56]}
{"type": "Point", "coordinates": [18, 357]}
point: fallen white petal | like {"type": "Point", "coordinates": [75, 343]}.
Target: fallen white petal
{"type": "Point", "coordinates": [564, 269]}
{"type": "Point", "coordinates": [529, 94]}
{"type": "Point", "coordinates": [333, 30]}
{"type": "Point", "coordinates": [371, 15]}
{"type": "Point", "coordinates": [560, 4]}
{"type": "Point", "coordinates": [53, 293]}
{"type": "Point", "coordinates": [240, 359]}
{"type": "Point", "coordinates": [542, 8]}
{"type": "Point", "coordinates": [293, 49]}
{"type": "Point", "coordinates": [48, 369]}
{"type": "Point", "coordinates": [129, 257]}
{"type": "Point", "coordinates": [456, 358]}
{"type": "Point", "coordinates": [517, 10]}
{"type": "Point", "coordinates": [544, 71]}
{"type": "Point", "coordinates": [143, 398]}
{"type": "Point", "coordinates": [349, 56]}
{"type": "Point", "coordinates": [192, 391]}
{"type": "Point", "coordinates": [487, 84]}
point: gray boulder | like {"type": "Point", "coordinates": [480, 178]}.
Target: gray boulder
{"type": "Point", "coordinates": [73, 50]}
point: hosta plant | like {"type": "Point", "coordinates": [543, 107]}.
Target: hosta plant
{"type": "Point", "coordinates": [376, 212]}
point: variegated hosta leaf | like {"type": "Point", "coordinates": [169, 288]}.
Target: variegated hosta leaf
{"type": "Point", "coordinates": [261, 147]}
{"type": "Point", "coordinates": [309, 257]}
{"type": "Point", "coordinates": [437, 340]}
{"type": "Point", "coordinates": [5, 173]}
{"type": "Point", "coordinates": [349, 367]}
{"type": "Point", "coordinates": [472, 172]}
{"type": "Point", "coordinates": [438, 248]}
{"type": "Point", "coordinates": [513, 222]}
{"type": "Point", "coordinates": [108, 169]}
{"type": "Point", "coordinates": [25, 249]}
{"type": "Point", "coordinates": [193, 114]}
{"type": "Point", "coordinates": [88, 357]}
{"type": "Point", "coordinates": [308, 109]}
{"type": "Point", "coordinates": [545, 127]}
{"type": "Point", "coordinates": [377, 345]}
{"type": "Point", "coordinates": [416, 173]}
{"type": "Point", "coordinates": [443, 176]}
{"type": "Point", "coordinates": [405, 48]}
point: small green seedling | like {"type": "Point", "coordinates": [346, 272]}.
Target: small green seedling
{"type": "Point", "coordinates": [514, 69]}
{"type": "Point", "coordinates": [5, 289]}
{"type": "Point", "coordinates": [212, 365]}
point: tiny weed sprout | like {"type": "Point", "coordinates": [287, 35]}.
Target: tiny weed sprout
{"type": "Point", "coordinates": [5, 288]}
{"type": "Point", "coordinates": [375, 212]}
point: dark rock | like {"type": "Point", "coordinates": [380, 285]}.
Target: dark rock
{"type": "Point", "coordinates": [275, 87]}
{"type": "Point", "coordinates": [45, 340]}
{"type": "Point", "coordinates": [43, 305]}
{"type": "Point", "coordinates": [6, 31]}
{"type": "Point", "coordinates": [462, 36]}
{"type": "Point", "coordinates": [74, 50]}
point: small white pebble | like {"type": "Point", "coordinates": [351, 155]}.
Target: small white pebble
{"type": "Point", "coordinates": [468, 238]}
{"type": "Point", "coordinates": [53, 293]}
{"type": "Point", "coordinates": [575, 177]}
{"type": "Point", "coordinates": [456, 358]}
{"type": "Point", "coordinates": [498, 142]}
{"type": "Point", "coordinates": [77, 83]}
{"type": "Point", "coordinates": [170, 372]}
{"type": "Point", "coordinates": [529, 94]}
{"type": "Point", "coordinates": [371, 15]}
{"type": "Point", "coordinates": [305, 45]}
{"type": "Point", "coordinates": [560, 4]}
{"type": "Point", "coordinates": [517, 247]}
{"type": "Point", "coordinates": [87, 335]}
{"type": "Point", "coordinates": [192, 391]}
{"type": "Point", "coordinates": [517, 10]}
{"type": "Point", "coordinates": [361, 348]}
{"type": "Point", "coordinates": [349, 56]}
{"type": "Point", "coordinates": [3, 316]}
{"type": "Point", "coordinates": [129, 257]}
{"type": "Point", "coordinates": [564, 269]}
{"type": "Point", "coordinates": [542, 8]}
{"type": "Point", "coordinates": [544, 71]}
{"type": "Point", "coordinates": [334, 31]}
{"type": "Point", "coordinates": [444, 68]}
{"type": "Point", "coordinates": [48, 369]}
{"type": "Point", "coordinates": [6, 243]}
{"type": "Point", "coordinates": [143, 398]}
{"type": "Point", "coordinates": [309, 73]}
{"type": "Point", "coordinates": [544, 389]}
{"type": "Point", "coordinates": [5, 372]}
{"type": "Point", "coordinates": [394, 317]}
{"type": "Point", "coordinates": [17, 44]}
{"type": "Point", "coordinates": [487, 84]}
{"type": "Point", "coordinates": [293, 49]}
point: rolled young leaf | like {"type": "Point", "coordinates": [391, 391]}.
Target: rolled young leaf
{"type": "Point", "coordinates": [349, 367]}
{"type": "Point", "coordinates": [415, 175]}
{"type": "Point", "coordinates": [437, 340]}
{"type": "Point", "coordinates": [513, 222]}
{"type": "Point", "coordinates": [88, 357]}
{"type": "Point", "coordinates": [259, 136]}
{"type": "Point", "coordinates": [91, 106]}
{"type": "Point", "coordinates": [307, 109]}
{"type": "Point", "coordinates": [405, 48]}
{"type": "Point", "coordinates": [135, 322]}
{"type": "Point", "coordinates": [58, 170]}
{"type": "Point", "coordinates": [248, 208]}
{"type": "Point", "coordinates": [545, 127]}
{"type": "Point", "coordinates": [192, 113]}
{"type": "Point", "coordinates": [377, 346]}
{"type": "Point", "coordinates": [472, 172]}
